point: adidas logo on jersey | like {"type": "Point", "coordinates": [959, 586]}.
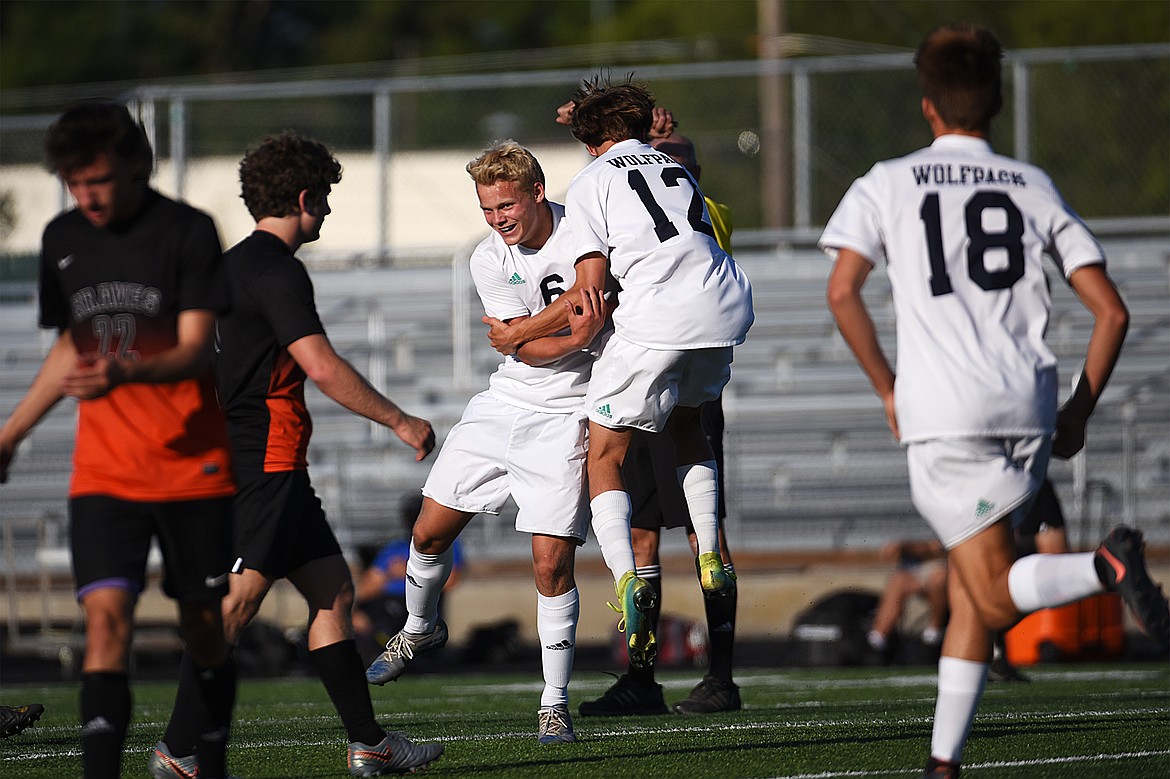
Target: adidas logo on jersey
{"type": "Point", "coordinates": [560, 645]}
{"type": "Point", "coordinates": [604, 411]}
{"type": "Point", "coordinates": [982, 507]}
{"type": "Point", "coordinates": [516, 279]}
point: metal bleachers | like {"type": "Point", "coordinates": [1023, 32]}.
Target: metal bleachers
{"type": "Point", "coordinates": [810, 463]}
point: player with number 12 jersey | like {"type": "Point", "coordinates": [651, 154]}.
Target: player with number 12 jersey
{"type": "Point", "coordinates": [680, 290]}
{"type": "Point", "coordinates": [963, 230]}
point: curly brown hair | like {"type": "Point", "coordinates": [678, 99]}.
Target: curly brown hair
{"type": "Point", "coordinates": [960, 72]}
{"type": "Point", "coordinates": [92, 128]}
{"type": "Point", "coordinates": [273, 174]}
{"type": "Point", "coordinates": [611, 112]}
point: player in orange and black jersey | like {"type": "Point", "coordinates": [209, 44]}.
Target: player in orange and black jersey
{"type": "Point", "coordinates": [133, 281]}
{"type": "Point", "coordinates": [267, 346]}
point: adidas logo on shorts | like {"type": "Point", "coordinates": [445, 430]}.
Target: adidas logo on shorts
{"type": "Point", "coordinates": [983, 506]}
{"type": "Point", "coordinates": [604, 411]}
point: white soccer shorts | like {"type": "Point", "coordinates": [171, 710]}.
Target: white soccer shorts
{"type": "Point", "coordinates": [962, 485]}
{"type": "Point", "coordinates": [633, 386]}
{"type": "Point", "coordinates": [497, 450]}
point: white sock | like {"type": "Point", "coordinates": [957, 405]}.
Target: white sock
{"type": "Point", "coordinates": [611, 526]}
{"type": "Point", "coordinates": [426, 575]}
{"type": "Point", "coordinates": [876, 641]}
{"type": "Point", "coordinates": [556, 625]}
{"type": "Point", "coordinates": [700, 486]}
{"type": "Point", "coordinates": [960, 687]}
{"type": "Point", "coordinates": [1041, 581]}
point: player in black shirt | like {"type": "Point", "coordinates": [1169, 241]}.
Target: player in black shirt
{"type": "Point", "coordinates": [267, 345]}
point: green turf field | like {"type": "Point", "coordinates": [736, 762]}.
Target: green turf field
{"type": "Point", "coordinates": [1071, 721]}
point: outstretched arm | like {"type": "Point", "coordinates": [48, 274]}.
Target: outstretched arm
{"type": "Point", "coordinates": [342, 383]}
{"type": "Point", "coordinates": [856, 325]}
{"type": "Point", "coordinates": [507, 337]}
{"type": "Point", "coordinates": [1110, 322]}
{"type": "Point", "coordinates": [44, 393]}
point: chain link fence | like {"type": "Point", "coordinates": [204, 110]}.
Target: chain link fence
{"type": "Point", "coordinates": [780, 140]}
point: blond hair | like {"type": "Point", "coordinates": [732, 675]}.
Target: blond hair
{"type": "Point", "coordinates": [507, 161]}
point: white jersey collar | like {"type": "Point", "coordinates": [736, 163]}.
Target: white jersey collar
{"type": "Point", "coordinates": [961, 142]}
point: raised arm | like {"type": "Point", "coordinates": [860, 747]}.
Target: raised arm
{"type": "Point", "coordinates": [334, 376]}
{"type": "Point", "coordinates": [856, 325]}
{"type": "Point", "coordinates": [1110, 323]}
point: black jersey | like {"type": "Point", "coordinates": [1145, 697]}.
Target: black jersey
{"type": "Point", "coordinates": [261, 387]}
{"type": "Point", "coordinates": [119, 290]}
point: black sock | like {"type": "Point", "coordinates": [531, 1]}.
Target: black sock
{"type": "Point", "coordinates": [645, 676]}
{"type": "Point", "coordinates": [340, 670]}
{"type": "Point", "coordinates": [720, 613]}
{"type": "Point", "coordinates": [180, 735]}
{"type": "Point", "coordinates": [105, 717]}
{"type": "Point", "coordinates": [216, 693]}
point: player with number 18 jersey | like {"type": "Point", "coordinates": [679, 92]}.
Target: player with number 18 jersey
{"type": "Point", "coordinates": [963, 231]}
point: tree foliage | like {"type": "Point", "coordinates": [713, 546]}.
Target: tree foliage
{"type": "Point", "coordinates": [80, 41]}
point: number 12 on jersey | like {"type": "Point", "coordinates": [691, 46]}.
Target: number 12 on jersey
{"type": "Point", "coordinates": [663, 227]}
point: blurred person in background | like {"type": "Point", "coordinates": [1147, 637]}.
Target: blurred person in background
{"type": "Point", "coordinates": [132, 282]}
{"type": "Point", "coordinates": [380, 597]}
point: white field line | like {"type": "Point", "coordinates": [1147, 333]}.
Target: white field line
{"type": "Point", "coordinates": [1118, 756]}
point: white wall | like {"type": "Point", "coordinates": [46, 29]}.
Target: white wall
{"type": "Point", "coordinates": [432, 200]}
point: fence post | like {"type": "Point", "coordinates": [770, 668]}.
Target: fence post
{"type": "Point", "coordinates": [178, 136]}
{"type": "Point", "coordinates": [802, 100]}
{"type": "Point", "coordinates": [382, 163]}
{"type": "Point", "coordinates": [1021, 83]}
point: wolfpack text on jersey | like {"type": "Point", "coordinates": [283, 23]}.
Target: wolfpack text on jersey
{"type": "Point", "coordinates": [970, 293]}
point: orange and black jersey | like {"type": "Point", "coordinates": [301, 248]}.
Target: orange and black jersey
{"type": "Point", "coordinates": [119, 290]}
{"type": "Point", "coordinates": [261, 387]}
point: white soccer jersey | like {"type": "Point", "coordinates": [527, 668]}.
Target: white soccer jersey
{"type": "Point", "coordinates": [514, 281]}
{"type": "Point", "coordinates": [963, 231]}
{"type": "Point", "coordinates": [679, 289]}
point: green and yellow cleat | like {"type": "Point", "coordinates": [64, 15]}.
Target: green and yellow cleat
{"type": "Point", "coordinates": [638, 599]}
{"type": "Point", "coordinates": [713, 577]}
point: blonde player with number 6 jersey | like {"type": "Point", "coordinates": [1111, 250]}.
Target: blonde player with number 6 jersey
{"type": "Point", "coordinates": [962, 231]}
{"type": "Point", "coordinates": [524, 436]}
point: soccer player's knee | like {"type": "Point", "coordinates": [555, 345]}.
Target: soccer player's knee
{"type": "Point", "coordinates": [997, 613]}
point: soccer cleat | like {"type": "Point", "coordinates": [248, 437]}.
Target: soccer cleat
{"type": "Point", "coordinates": [624, 697]}
{"type": "Point", "coordinates": [556, 726]}
{"type": "Point", "coordinates": [14, 719]}
{"type": "Point", "coordinates": [710, 696]}
{"type": "Point", "coordinates": [164, 765]}
{"type": "Point", "coordinates": [1121, 567]}
{"type": "Point", "coordinates": [395, 754]}
{"type": "Point", "coordinates": [638, 599]}
{"type": "Point", "coordinates": [713, 577]}
{"type": "Point", "coordinates": [1001, 670]}
{"type": "Point", "coordinates": [940, 769]}
{"type": "Point", "coordinates": [401, 649]}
